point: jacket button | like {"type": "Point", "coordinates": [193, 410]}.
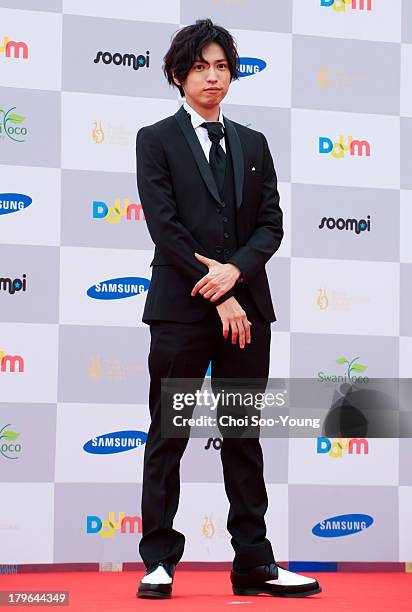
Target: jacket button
{"type": "Point", "coordinates": [225, 219]}
{"type": "Point", "coordinates": [218, 249]}
{"type": "Point", "coordinates": [223, 204]}
{"type": "Point", "coordinates": [226, 235]}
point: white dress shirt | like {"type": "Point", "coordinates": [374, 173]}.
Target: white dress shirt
{"type": "Point", "coordinates": [201, 132]}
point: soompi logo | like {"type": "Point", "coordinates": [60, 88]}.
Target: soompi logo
{"type": "Point", "coordinates": [353, 225]}
{"type": "Point", "coordinates": [127, 59]}
{"type": "Point", "coordinates": [336, 448]}
{"type": "Point", "coordinates": [341, 5]}
{"type": "Point", "coordinates": [107, 528]}
{"type": "Point", "coordinates": [337, 149]}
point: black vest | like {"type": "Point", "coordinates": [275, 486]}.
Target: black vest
{"type": "Point", "coordinates": [228, 243]}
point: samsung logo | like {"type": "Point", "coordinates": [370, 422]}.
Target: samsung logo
{"type": "Point", "coordinates": [115, 442]}
{"type": "Point", "coordinates": [250, 65]}
{"type": "Point", "coordinates": [118, 288]}
{"type": "Point", "coordinates": [342, 525]}
{"type": "Point", "coordinates": [13, 202]}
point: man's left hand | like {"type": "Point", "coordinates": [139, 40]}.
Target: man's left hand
{"type": "Point", "coordinates": [219, 279]}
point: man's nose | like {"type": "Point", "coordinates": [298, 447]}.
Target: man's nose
{"type": "Point", "coordinates": [212, 75]}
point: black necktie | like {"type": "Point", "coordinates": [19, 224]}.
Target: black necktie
{"type": "Point", "coordinates": [217, 156]}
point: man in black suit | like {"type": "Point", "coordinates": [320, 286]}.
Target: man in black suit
{"type": "Point", "coordinates": [208, 189]}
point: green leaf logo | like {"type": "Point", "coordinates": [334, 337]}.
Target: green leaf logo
{"type": "Point", "coordinates": [10, 435]}
{"type": "Point", "coordinates": [16, 118]}
{"type": "Point", "coordinates": [341, 361]}
{"type": "Point", "coordinates": [359, 367]}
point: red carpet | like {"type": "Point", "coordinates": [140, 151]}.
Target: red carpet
{"type": "Point", "coordinates": [198, 591]}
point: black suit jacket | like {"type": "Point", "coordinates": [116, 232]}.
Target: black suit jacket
{"type": "Point", "coordinates": [179, 198]}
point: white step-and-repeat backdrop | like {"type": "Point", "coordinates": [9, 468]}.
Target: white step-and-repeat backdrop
{"type": "Point", "coordinates": [329, 83]}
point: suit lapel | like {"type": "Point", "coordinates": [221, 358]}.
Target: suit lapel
{"type": "Point", "coordinates": [185, 124]}
{"type": "Point", "coordinates": [237, 158]}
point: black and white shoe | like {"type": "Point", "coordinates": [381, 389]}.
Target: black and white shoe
{"type": "Point", "coordinates": [157, 582]}
{"type": "Point", "coordinates": [273, 580]}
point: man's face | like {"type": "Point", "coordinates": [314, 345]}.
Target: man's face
{"type": "Point", "coordinates": [208, 81]}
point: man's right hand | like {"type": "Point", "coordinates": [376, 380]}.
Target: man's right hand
{"type": "Point", "coordinates": [233, 317]}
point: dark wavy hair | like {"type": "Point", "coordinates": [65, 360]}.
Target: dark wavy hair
{"type": "Point", "coordinates": [188, 44]}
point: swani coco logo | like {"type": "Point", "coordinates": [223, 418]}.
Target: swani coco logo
{"type": "Point", "coordinates": [352, 225]}
{"type": "Point", "coordinates": [337, 448]}
{"type": "Point", "coordinates": [9, 448]}
{"type": "Point", "coordinates": [337, 149]}
{"type": "Point", "coordinates": [13, 202]}
{"type": "Point", "coordinates": [12, 285]}
{"type": "Point", "coordinates": [250, 65]}
{"type": "Point", "coordinates": [127, 59]}
{"type": "Point", "coordinates": [340, 6]}
{"type": "Point", "coordinates": [107, 528]}
{"type": "Point", "coordinates": [14, 49]}
{"type": "Point", "coordinates": [118, 288]}
{"type": "Point", "coordinates": [10, 125]}
{"type": "Point", "coordinates": [351, 366]}
{"type": "Point", "coordinates": [11, 363]}
{"type": "Point", "coordinates": [115, 442]}
{"type": "Point", "coordinates": [130, 211]}
{"type": "Point", "coordinates": [342, 525]}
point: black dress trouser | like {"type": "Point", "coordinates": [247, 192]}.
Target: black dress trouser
{"type": "Point", "coordinates": [184, 350]}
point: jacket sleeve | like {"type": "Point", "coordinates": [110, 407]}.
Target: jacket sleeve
{"type": "Point", "coordinates": [268, 233]}
{"type": "Point", "coordinates": [159, 207]}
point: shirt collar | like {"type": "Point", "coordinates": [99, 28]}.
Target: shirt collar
{"type": "Point", "coordinates": [197, 119]}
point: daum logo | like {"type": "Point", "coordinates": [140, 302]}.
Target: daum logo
{"type": "Point", "coordinates": [337, 448]}
{"type": "Point", "coordinates": [14, 49]}
{"type": "Point", "coordinates": [11, 363]}
{"type": "Point", "coordinates": [13, 202]}
{"type": "Point", "coordinates": [341, 5]}
{"type": "Point", "coordinates": [118, 288]}
{"type": "Point", "coordinates": [11, 286]}
{"type": "Point", "coordinates": [127, 59]}
{"type": "Point", "coordinates": [250, 65]}
{"type": "Point", "coordinates": [342, 525]}
{"type": "Point", "coordinates": [337, 149]}
{"type": "Point", "coordinates": [113, 214]}
{"type": "Point", "coordinates": [115, 442]}
{"type": "Point", "coordinates": [349, 376]}
{"type": "Point", "coordinates": [107, 528]}
{"type": "Point", "coordinates": [10, 125]}
{"type": "Point", "coordinates": [9, 448]}
{"type": "Point", "coordinates": [352, 225]}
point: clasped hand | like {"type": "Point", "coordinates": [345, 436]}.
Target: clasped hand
{"type": "Point", "coordinates": [219, 280]}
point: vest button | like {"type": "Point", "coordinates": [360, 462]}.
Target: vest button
{"type": "Point", "coordinates": [223, 204]}
{"type": "Point", "coordinates": [225, 219]}
{"type": "Point", "coordinates": [218, 249]}
{"type": "Point", "coordinates": [226, 235]}
{"type": "Point", "coordinates": [218, 210]}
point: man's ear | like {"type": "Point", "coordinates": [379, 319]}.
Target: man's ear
{"type": "Point", "coordinates": [175, 79]}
